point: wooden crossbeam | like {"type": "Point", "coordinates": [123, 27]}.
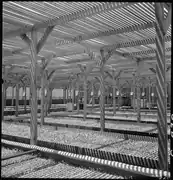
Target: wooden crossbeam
{"type": "Point", "coordinates": [91, 11]}
{"type": "Point", "coordinates": [154, 58]}
{"type": "Point", "coordinates": [128, 29]}
{"type": "Point", "coordinates": [150, 51]}
{"type": "Point", "coordinates": [134, 43]}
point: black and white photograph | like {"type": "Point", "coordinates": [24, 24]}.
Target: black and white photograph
{"type": "Point", "coordinates": [86, 90]}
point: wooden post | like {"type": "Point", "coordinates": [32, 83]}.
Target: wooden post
{"type": "Point", "coordinates": [85, 98]}
{"type": "Point", "coordinates": [64, 95]}
{"type": "Point", "coordinates": [161, 27]}
{"type": "Point", "coordinates": [47, 100]}
{"type": "Point", "coordinates": [50, 100]}
{"type": "Point", "coordinates": [33, 125]}
{"type": "Point", "coordinates": [113, 93]}
{"type": "Point", "coordinates": [119, 95]}
{"type": "Point", "coordinates": [73, 96]}
{"type": "Point", "coordinates": [3, 94]}
{"type": "Point", "coordinates": [93, 97]}
{"type": "Point", "coordinates": [134, 92]}
{"type": "Point", "coordinates": [78, 99]}
{"type": "Point", "coordinates": [149, 94]}
{"type": "Point", "coordinates": [42, 94]}
{"type": "Point", "coordinates": [138, 95]}
{"type": "Point", "coordinates": [17, 100]}
{"type": "Point", "coordinates": [102, 100]}
{"type": "Point", "coordinates": [12, 99]}
{"type": "Point", "coordinates": [25, 98]}
{"type": "Point", "coordinates": [132, 95]}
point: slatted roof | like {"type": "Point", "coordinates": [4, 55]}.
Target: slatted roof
{"type": "Point", "coordinates": [81, 29]}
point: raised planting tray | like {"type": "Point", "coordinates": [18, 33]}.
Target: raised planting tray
{"type": "Point", "coordinates": [109, 118]}
{"type": "Point", "coordinates": [88, 141]}
{"type": "Point", "coordinates": [147, 135]}
{"type": "Point", "coordinates": [55, 168]}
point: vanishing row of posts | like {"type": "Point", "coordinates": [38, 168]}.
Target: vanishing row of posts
{"type": "Point", "coordinates": [161, 27]}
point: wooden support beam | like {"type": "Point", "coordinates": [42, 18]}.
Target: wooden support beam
{"type": "Point", "coordinates": [17, 100]}
{"type": "Point", "coordinates": [43, 39]}
{"type": "Point", "coordinates": [25, 102]}
{"type": "Point", "coordinates": [161, 28]}
{"type": "Point", "coordinates": [47, 60]}
{"type": "Point", "coordinates": [85, 98]}
{"type": "Point", "coordinates": [113, 93]}
{"type": "Point", "coordinates": [32, 43]}
{"type": "Point", "coordinates": [78, 89]}
{"type": "Point", "coordinates": [93, 98]}
{"type": "Point", "coordinates": [3, 94]}
{"type": "Point", "coordinates": [64, 95]}
{"type": "Point", "coordinates": [134, 43]}
{"type": "Point", "coordinates": [102, 101]}
{"type": "Point", "coordinates": [149, 93]}
{"type": "Point", "coordinates": [127, 29]}
{"type": "Point", "coordinates": [73, 93]}
{"type": "Point", "coordinates": [146, 52]}
{"type": "Point", "coordinates": [42, 93]}
{"type": "Point", "coordinates": [12, 99]}
{"type": "Point", "coordinates": [50, 99]}
{"type": "Point", "coordinates": [138, 90]}
{"type": "Point", "coordinates": [119, 95]}
{"type": "Point", "coordinates": [134, 92]}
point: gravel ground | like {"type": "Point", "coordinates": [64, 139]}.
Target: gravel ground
{"type": "Point", "coordinates": [8, 152]}
{"type": "Point", "coordinates": [88, 139]}
{"type": "Point", "coordinates": [63, 170]}
{"type": "Point", "coordinates": [34, 167]}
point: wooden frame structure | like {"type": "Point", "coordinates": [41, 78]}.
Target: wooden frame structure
{"type": "Point", "coordinates": [46, 40]}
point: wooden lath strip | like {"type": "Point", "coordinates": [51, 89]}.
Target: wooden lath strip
{"type": "Point", "coordinates": [128, 29]}
{"type": "Point", "coordinates": [67, 18]}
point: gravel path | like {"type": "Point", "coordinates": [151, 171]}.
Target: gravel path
{"type": "Point", "coordinates": [88, 139]}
